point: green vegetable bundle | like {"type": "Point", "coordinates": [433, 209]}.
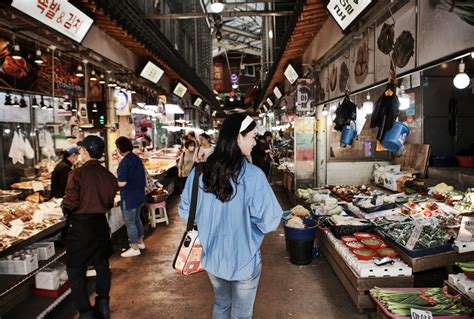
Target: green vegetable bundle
{"type": "Point", "coordinates": [436, 300]}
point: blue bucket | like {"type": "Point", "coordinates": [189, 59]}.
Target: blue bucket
{"type": "Point", "coordinates": [347, 135]}
{"type": "Point", "coordinates": [308, 233]}
{"type": "Point", "coordinates": [394, 138]}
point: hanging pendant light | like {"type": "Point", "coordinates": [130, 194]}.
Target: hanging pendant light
{"type": "Point", "coordinates": [102, 79]}
{"type": "Point", "coordinates": [93, 77]}
{"type": "Point", "coordinates": [43, 105]}
{"type": "Point", "coordinates": [34, 104]}
{"type": "Point", "coordinates": [217, 6]}
{"type": "Point", "coordinates": [79, 72]}
{"type": "Point", "coordinates": [325, 111]}
{"type": "Point", "coordinates": [38, 58]}
{"type": "Point", "coordinates": [16, 103]}
{"type": "Point", "coordinates": [8, 99]}
{"type": "Point", "coordinates": [112, 83]}
{"type": "Point", "coordinates": [50, 106]}
{"type": "Point", "coordinates": [73, 105]}
{"type": "Point", "coordinates": [23, 102]}
{"type": "Point", "coordinates": [368, 105]}
{"type": "Point", "coordinates": [461, 80]}
{"type": "Point", "coordinates": [16, 52]}
{"type": "Point", "coordinates": [94, 108]}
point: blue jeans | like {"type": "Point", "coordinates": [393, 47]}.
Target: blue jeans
{"type": "Point", "coordinates": [132, 220]}
{"type": "Point", "coordinates": [235, 299]}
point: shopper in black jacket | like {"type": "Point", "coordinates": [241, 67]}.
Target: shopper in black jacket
{"type": "Point", "coordinates": [61, 172]}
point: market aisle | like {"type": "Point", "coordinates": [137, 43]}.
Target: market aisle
{"type": "Point", "coordinates": [147, 286]}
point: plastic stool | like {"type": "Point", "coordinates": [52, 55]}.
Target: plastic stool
{"type": "Point", "coordinates": [161, 216]}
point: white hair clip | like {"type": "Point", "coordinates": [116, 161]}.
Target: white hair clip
{"type": "Point", "coordinates": [245, 123]}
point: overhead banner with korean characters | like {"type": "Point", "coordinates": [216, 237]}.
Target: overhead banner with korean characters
{"type": "Point", "coordinates": [59, 15]}
{"type": "Point", "coordinates": [218, 77]}
{"type": "Point", "coordinates": [346, 11]}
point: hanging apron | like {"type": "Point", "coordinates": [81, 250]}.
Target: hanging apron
{"type": "Point", "coordinates": [88, 240]}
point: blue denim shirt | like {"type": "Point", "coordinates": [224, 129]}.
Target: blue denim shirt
{"type": "Point", "coordinates": [232, 232]}
{"type": "Point", "coordinates": [132, 171]}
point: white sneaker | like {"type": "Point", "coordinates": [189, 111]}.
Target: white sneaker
{"type": "Point", "coordinates": [141, 246]}
{"type": "Point", "coordinates": [131, 253]}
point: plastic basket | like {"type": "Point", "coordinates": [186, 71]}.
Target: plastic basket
{"type": "Point", "coordinates": [346, 230]}
{"type": "Point", "coordinates": [387, 312]}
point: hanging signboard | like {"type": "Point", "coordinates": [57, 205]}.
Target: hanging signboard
{"type": "Point", "coordinates": [304, 148]}
{"type": "Point", "coordinates": [152, 72]}
{"type": "Point", "coordinates": [59, 15]}
{"type": "Point", "coordinates": [345, 12]}
{"type": "Point", "coordinates": [291, 74]}
{"type": "Point", "coordinates": [277, 92]}
{"type": "Point", "coordinates": [218, 80]}
{"type": "Point", "coordinates": [304, 95]}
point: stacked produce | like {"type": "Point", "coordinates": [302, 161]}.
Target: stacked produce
{"type": "Point", "coordinates": [401, 230]}
{"type": "Point", "coordinates": [467, 203]}
{"type": "Point", "coordinates": [366, 246]}
{"type": "Point", "coordinates": [296, 217]}
{"type": "Point", "coordinates": [436, 300]}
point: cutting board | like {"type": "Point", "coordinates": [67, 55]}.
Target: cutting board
{"type": "Point", "coordinates": [415, 160]}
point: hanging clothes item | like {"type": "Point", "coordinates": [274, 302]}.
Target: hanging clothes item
{"type": "Point", "coordinates": [345, 113]}
{"type": "Point", "coordinates": [386, 111]}
{"type": "Point", "coordinates": [16, 152]}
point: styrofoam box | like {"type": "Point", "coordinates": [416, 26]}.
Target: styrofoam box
{"type": "Point", "coordinates": [463, 246]}
{"type": "Point", "coordinates": [366, 269]}
{"type": "Point", "coordinates": [463, 283]}
{"type": "Point", "coordinates": [48, 278]}
{"type": "Point", "coordinates": [390, 179]}
{"type": "Point", "coordinates": [45, 250]}
{"type": "Point", "coordinates": [18, 267]}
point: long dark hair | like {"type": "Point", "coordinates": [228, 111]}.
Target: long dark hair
{"type": "Point", "coordinates": [225, 163]}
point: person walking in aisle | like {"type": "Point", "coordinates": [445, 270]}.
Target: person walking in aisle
{"type": "Point", "coordinates": [236, 207]}
{"type": "Point", "coordinates": [131, 179]}
{"type": "Point", "coordinates": [205, 149]}
{"type": "Point", "coordinates": [90, 193]}
{"type": "Point", "coordinates": [186, 161]}
{"type": "Point", "coordinates": [61, 171]}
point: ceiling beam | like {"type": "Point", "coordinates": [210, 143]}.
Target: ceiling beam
{"type": "Point", "coordinates": [240, 31]}
{"type": "Point", "coordinates": [227, 14]}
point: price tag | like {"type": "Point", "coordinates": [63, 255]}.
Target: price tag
{"type": "Point", "coordinates": [37, 186]}
{"type": "Point", "coordinates": [420, 314]}
{"type": "Point", "coordinates": [421, 219]}
{"type": "Point", "coordinates": [379, 200]}
{"type": "Point", "coordinates": [415, 235]}
{"type": "Point", "coordinates": [15, 231]}
{"type": "Point", "coordinates": [466, 232]}
{"type": "Point", "coordinates": [16, 222]}
{"type": "Point", "coordinates": [38, 216]}
{"type": "Point", "coordinates": [3, 229]}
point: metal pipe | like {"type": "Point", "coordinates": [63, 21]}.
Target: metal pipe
{"type": "Point", "coordinates": [227, 14]}
{"type": "Point", "coordinates": [240, 31]}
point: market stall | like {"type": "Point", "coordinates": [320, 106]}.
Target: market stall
{"type": "Point", "coordinates": [360, 225]}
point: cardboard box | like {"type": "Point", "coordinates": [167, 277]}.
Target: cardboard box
{"type": "Point", "coordinates": [45, 250]}
{"type": "Point", "coordinates": [19, 267]}
{"type": "Point", "coordinates": [390, 180]}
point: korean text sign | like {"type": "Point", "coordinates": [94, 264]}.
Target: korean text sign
{"type": "Point", "coordinates": [59, 15]}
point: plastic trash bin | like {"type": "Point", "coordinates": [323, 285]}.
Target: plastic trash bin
{"type": "Point", "coordinates": [300, 242]}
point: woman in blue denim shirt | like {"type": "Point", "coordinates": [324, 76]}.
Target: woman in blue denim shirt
{"type": "Point", "coordinates": [236, 207]}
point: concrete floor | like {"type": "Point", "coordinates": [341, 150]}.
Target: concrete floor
{"type": "Point", "coordinates": [148, 287]}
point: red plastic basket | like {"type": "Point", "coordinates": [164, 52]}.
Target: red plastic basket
{"type": "Point", "coordinates": [391, 315]}
{"type": "Point", "coordinates": [465, 161]}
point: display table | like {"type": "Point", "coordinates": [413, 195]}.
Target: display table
{"type": "Point", "coordinates": [357, 287]}
{"type": "Point", "coordinates": [441, 260]}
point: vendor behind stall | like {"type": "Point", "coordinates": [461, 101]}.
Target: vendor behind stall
{"type": "Point", "coordinates": [61, 171]}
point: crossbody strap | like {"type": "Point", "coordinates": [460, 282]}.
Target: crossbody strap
{"type": "Point", "coordinates": [194, 195]}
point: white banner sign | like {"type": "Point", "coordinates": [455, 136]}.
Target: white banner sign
{"type": "Point", "coordinates": [346, 11]}
{"type": "Point", "coordinates": [59, 15]}
{"type": "Point", "coordinates": [291, 74]}
{"type": "Point", "coordinates": [152, 72]}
